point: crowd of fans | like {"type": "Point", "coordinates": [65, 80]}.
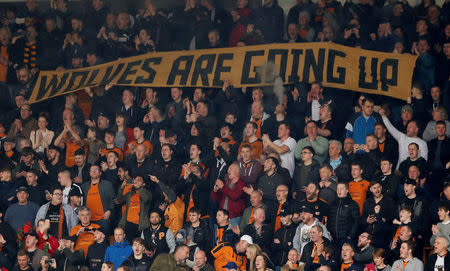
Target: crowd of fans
{"type": "Point", "coordinates": [122, 178]}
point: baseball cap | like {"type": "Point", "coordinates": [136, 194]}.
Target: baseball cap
{"type": "Point", "coordinates": [9, 140]}
{"type": "Point", "coordinates": [230, 265]}
{"type": "Point", "coordinates": [407, 108]}
{"type": "Point", "coordinates": [410, 181]}
{"type": "Point", "coordinates": [74, 192]}
{"type": "Point", "coordinates": [285, 211]}
{"type": "Point", "coordinates": [247, 238]}
{"type": "Point", "coordinates": [22, 188]}
{"type": "Point", "coordinates": [307, 209]}
{"type": "Point", "coordinates": [33, 233]}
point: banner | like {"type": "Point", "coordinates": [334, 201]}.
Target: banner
{"type": "Point", "coordinates": [332, 64]}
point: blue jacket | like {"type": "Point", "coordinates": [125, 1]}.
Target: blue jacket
{"type": "Point", "coordinates": [118, 253]}
{"type": "Point", "coordinates": [358, 127]}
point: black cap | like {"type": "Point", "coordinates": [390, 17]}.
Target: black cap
{"type": "Point", "coordinates": [103, 114]}
{"type": "Point", "coordinates": [74, 192]}
{"type": "Point", "coordinates": [307, 209]}
{"type": "Point", "coordinates": [410, 181]}
{"type": "Point", "coordinates": [22, 188]}
{"type": "Point", "coordinates": [33, 233]}
{"type": "Point", "coordinates": [285, 211]}
{"type": "Point", "coordinates": [9, 140]}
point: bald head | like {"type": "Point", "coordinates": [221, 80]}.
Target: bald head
{"type": "Point", "coordinates": [234, 172]}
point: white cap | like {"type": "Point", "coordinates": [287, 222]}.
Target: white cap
{"type": "Point", "coordinates": [247, 238]}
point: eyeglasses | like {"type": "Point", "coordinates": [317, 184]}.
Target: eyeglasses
{"type": "Point", "coordinates": [57, 194]}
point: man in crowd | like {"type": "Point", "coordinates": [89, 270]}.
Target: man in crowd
{"type": "Point", "coordinates": [318, 143]}
{"type": "Point", "coordinates": [18, 214]}
{"type": "Point", "coordinates": [407, 261]}
{"type": "Point", "coordinates": [120, 250]}
{"type": "Point", "coordinates": [62, 217]}
{"type": "Point", "coordinates": [99, 197]}
{"type": "Point", "coordinates": [404, 140]}
{"type": "Point", "coordinates": [157, 237]}
{"type": "Point", "coordinates": [84, 231]}
{"type": "Point", "coordinates": [225, 253]}
{"type": "Point", "coordinates": [96, 251]}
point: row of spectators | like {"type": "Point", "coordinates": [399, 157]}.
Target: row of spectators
{"type": "Point", "coordinates": [222, 179]}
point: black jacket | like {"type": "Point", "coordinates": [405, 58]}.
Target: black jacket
{"type": "Point", "coordinates": [84, 172]}
{"type": "Point", "coordinates": [199, 189]}
{"type": "Point", "coordinates": [68, 260]}
{"type": "Point", "coordinates": [298, 183]}
{"type": "Point", "coordinates": [343, 220]}
{"type": "Point", "coordinates": [201, 236]}
{"type": "Point", "coordinates": [308, 248]}
{"type": "Point", "coordinates": [135, 170]}
{"type": "Point", "coordinates": [379, 227]}
{"type": "Point", "coordinates": [391, 150]}
{"type": "Point", "coordinates": [227, 235]}
{"type": "Point", "coordinates": [389, 183]}
{"type": "Point", "coordinates": [280, 250]}
{"type": "Point", "coordinates": [265, 239]}
{"type": "Point", "coordinates": [429, 266]}
{"type": "Point", "coordinates": [445, 151]}
{"type": "Point", "coordinates": [96, 254]}
{"type": "Point", "coordinates": [421, 211]}
{"type": "Point", "coordinates": [421, 163]}
{"type": "Point", "coordinates": [167, 172]}
{"type": "Point", "coordinates": [138, 265]}
{"type": "Point", "coordinates": [159, 242]}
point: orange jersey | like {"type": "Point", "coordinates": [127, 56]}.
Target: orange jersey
{"type": "Point", "coordinates": [71, 147]}
{"type": "Point", "coordinates": [85, 239]}
{"type": "Point", "coordinates": [257, 148]}
{"type": "Point", "coordinates": [358, 192]}
{"type": "Point", "coordinates": [3, 68]}
{"type": "Point", "coordinates": [224, 254]}
{"type": "Point", "coordinates": [94, 203]}
{"type": "Point", "coordinates": [134, 209]}
{"type": "Point", "coordinates": [174, 215]}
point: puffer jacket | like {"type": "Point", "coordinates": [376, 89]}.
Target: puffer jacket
{"type": "Point", "coordinates": [142, 264]}
{"type": "Point", "coordinates": [343, 220]}
{"type": "Point", "coordinates": [280, 250]}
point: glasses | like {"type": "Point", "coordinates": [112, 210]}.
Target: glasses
{"type": "Point", "coordinates": [57, 194]}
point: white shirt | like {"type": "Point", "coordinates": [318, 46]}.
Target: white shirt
{"type": "Point", "coordinates": [404, 141]}
{"type": "Point", "coordinates": [439, 264]}
{"type": "Point", "coordinates": [287, 158]}
{"type": "Point", "coordinates": [315, 108]}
